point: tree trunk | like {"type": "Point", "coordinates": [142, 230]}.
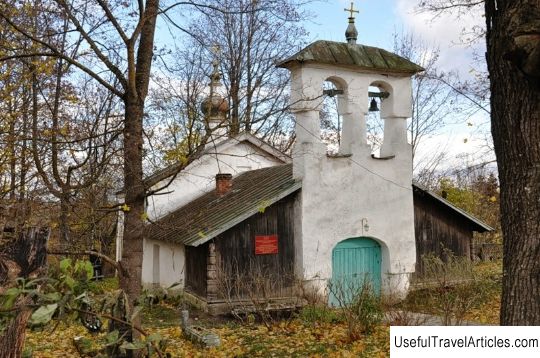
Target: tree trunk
{"type": "Point", "coordinates": [23, 207]}
{"type": "Point", "coordinates": [234, 128]}
{"type": "Point", "coordinates": [25, 256]}
{"type": "Point", "coordinates": [513, 57]}
{"type": "Point", "coordinates": [65, 237]}
{"type": "Point", "coordinates": [12, 160]}
{"type": "Point", "coordinates": [132, 253]}
{"type": "Point", "coordinates": [133, 239]}
{"type": "Point", "coordinates": [12, 339]}
{"type": "Point", "coordinates": [138, 77]}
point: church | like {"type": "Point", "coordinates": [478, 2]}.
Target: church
{"type": "Point", "coordinates": [244, 211]}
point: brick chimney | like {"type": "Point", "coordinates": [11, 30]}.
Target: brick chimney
{"type": "Point", "coordinates": [223, 183]}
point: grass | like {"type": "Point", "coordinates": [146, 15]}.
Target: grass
{"type": "Point", "coordinates": [99, 287]}
{"type": "Point", "coordinates": [160, 316]}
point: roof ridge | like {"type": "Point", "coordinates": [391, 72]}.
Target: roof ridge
{"type": "Point", "coordinates": [452, 206]}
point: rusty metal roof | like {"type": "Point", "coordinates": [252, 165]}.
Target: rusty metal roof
{"type": "Point", "coordinates": [353, 56]}
{"type": "Point", "coordinates": [210, 215]}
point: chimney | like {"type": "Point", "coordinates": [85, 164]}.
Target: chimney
{"type": "Point", "coordinates": [223, 183]}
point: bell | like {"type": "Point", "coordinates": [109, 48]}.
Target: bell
{"type": "Point", "coordinates": [373, 106]}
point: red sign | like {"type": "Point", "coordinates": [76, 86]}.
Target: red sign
{"type": "Point", "coordinates": [266, 245]}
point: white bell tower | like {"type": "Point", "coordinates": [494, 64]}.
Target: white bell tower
{"type": "Point", "coordinates": [353, 194]}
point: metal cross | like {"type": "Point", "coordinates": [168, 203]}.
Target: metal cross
{"type": "Point", "coordinates": [352, 10]}
{"type": "Point", "coordinates": [216, 50]}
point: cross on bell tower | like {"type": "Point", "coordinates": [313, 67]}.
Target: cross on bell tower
{"type": "Point", "coordinates": [351, 34]}
{"type": "Point", "coordinates": [352, 11]}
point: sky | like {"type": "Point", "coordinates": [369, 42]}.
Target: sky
{"type": "Point", "coordinates": [376, 23]}
{"type": "Point", "coordinates": [379, 19]}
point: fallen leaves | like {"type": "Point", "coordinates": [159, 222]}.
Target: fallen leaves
{"type": "Point", "coordinates": [293, 338]}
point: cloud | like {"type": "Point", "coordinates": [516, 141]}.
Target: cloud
{"type": "Point", "coordinates": [446, 31]}
{"type": "Point", "coordinates": [460, 149]}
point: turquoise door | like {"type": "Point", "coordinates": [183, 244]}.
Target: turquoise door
{"type": "Point", "coordinates": [355, 262]}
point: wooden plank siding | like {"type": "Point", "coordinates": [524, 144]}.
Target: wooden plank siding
{"type": "Point", "coordinates": [437, 227]}
{"type": "Point", "coordinates": [235, 250]}
{"type": "Point", "coordinates": [196, 269]}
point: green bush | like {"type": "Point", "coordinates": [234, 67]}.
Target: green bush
{"type": "Point", "coordinates": [367, 310]}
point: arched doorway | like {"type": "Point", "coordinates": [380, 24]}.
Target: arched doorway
{"type": "Point", "coordinates": [355, 262]}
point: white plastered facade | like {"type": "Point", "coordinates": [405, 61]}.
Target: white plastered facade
{"type": "Point", "coordinates": [340, 194]}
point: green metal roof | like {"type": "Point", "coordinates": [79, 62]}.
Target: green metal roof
{"type": "Point", "coordinates": [209, 215]}
{"type": "Point", "coordinates": [354, 56]}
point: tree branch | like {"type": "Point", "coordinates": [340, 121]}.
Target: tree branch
{"type": "Point", "coordinates": [119, 75]}
{"type": "Point", "coordinates": [57, 54]}
{"type": "Point", "coordinates": [113, 21]}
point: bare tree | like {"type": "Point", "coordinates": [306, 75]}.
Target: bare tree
{"type": "Point", "coordinates": [176, 122]}
{"type": "Point", "coordinates": [252, 36]}
{"type": "Point", "coordinates": [15, 98]}
{"type": "Point", "coordinates": [113, 43]}
{"type": "Point", "coordinates": [74, 135]}
{"type": "Point", "coordinates": [434, 101]}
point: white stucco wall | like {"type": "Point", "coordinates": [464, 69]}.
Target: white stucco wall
{"type": "Point", "coordinates": [338, 192]}
{"type": "Point", "coordinates": [199, 177]}
{"type": "Point", "coordinates": [171, 264]}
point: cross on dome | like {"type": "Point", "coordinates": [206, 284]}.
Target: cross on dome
{"type": "Point", "coordinates": [352, 11]}
{"type": "Point", "coordinates": [351, 34]}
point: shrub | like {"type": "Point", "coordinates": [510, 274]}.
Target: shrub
{"type": "Point", "coordinates": [255, 291]}
{"type": "Point", "coordinates": [360, 306]}
{"type": "Point", "coordinates": [451, 287]}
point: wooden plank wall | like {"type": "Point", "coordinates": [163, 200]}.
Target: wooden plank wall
{"type": "Point", "coordinates": [196, 264]}
{"type": "Point", "coordinates": [437, 227]}
{"type": "Point", "coordinates": [235, 248]}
